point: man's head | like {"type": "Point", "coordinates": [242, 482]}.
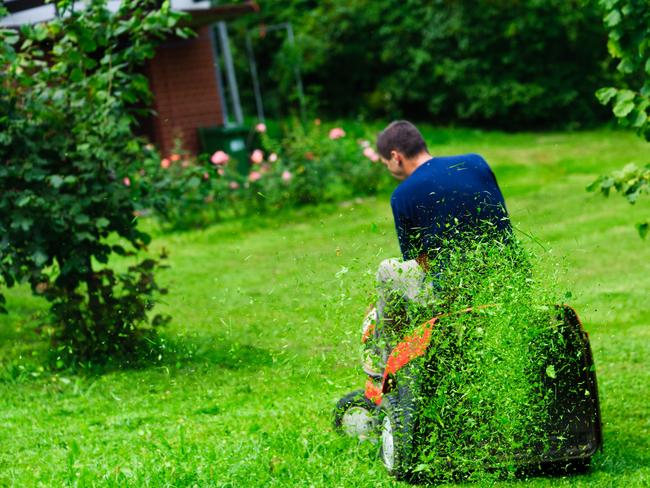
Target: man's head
{"type": "Point", "coordinates": [402, 148]}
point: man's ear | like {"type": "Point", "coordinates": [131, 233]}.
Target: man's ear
{"type": "Point", "coordinates": [396, 156]}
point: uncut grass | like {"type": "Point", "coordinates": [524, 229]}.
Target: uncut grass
{"type": "Point", "coordinates": [268, 319]}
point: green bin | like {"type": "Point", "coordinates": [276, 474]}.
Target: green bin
{"type": "Point", "coordinates": [234, 140]}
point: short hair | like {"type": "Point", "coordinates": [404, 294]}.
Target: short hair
{"type": "Point", "coordinates": [401, 136]}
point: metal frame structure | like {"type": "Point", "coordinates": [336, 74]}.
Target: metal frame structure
{"type": "Point", "coordinates": [259, 103]}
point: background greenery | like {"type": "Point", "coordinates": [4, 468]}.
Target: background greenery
{"type": "Point", "coordinates": [266, 326]}
{"type": "Point", "coordinates": [510, 64]}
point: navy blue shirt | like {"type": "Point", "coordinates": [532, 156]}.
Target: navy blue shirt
{"type": "Point", "coordinates": [442, 196]}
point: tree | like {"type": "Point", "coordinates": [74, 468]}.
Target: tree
{"type": "Point", "coordinates": [628, 25]}
{"type": "Point", "coordinates": [507, 63]}
{"type": "Point", "coordinates": [70, 91]}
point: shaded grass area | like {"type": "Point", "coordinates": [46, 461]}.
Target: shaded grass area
{"type": "Point", "coordinates": [266, 330]}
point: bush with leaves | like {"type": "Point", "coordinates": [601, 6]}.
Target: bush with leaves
{"type": "Point", "coordinates": [511, 63]}
{"type": "Point", "coordinates": [312, 164]}
{"type": "Point", "coordinates": [628, 24]}
{"type": "Point", "coordinates": [68, 192]}
{"type": "Point", "coordinates": [308, 165]}
{"type": "Point", "coordinates": [189, 191]}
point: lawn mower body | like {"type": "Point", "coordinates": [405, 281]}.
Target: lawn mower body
{"type": "Point", "coordinates": [573, 431]}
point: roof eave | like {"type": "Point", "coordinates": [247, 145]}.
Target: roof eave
{"type": "Point", "coordinates": [201, 17]}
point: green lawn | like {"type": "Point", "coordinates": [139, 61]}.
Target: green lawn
{"type": "Point", "coordinates": [267, 312]}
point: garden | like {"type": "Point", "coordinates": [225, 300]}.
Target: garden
{"type": "Point", "coordinates": [172, 320]}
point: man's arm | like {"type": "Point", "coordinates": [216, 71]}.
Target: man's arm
{"type": "Point", "coordinates": [403, 227]}
{"type": "Point", "coordinates": [423, 261]}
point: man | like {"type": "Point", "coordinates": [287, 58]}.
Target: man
{"type": "Point", "coordinates": [439, 199]}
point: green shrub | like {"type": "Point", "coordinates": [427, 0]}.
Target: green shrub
{"type": "Point", "coordinates": [315, 165]}
{"type": "Point", "coordinates": [189, 192]}
{"type": "Point", "coordinates": [514, 63]}
{"type": "Point", "coordinates": [308, 165]}
{"type": "Point", "coordinates": [68, 186]}
{"type": "Point", "coordinates": [628, 24]}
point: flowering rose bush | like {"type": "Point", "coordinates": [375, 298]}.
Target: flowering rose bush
{"type": "Point", "coordinates": [191, 192]}
{"type": "Point", "coordinates": [312, 165]}
{"type": "Point", "coordinates": [309, 165]}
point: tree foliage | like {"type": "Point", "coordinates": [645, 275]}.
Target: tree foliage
{"type": "Point", "coordinates": [511, 63]}
{"type": "Point", "coordinates": [628, 25]}
{"type": "Point", "coordinates": [70, 91]}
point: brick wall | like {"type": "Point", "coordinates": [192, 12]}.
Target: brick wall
{"type": "Point", "coordinates": [185, 90]}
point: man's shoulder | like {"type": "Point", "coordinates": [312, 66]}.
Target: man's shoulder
{"type": "Point", "coordinates": [398, 194]}
{"type": "Point", "coordinates": [442, 166]}
{"type": "Point", "coordinates": [461, 158]}
{"type": "Point", "coordinates": [428, 174]}
{"type": "Point", "coordinates": [409, 184]}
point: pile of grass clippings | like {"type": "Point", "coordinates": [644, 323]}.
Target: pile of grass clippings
{"type": "Point", "coordinates": [487, 387]}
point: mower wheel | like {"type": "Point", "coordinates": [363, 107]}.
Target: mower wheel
{"type": "Point", "coordinates": [397, 440]}
{"type": "Point", "coordinates": [356, 416]}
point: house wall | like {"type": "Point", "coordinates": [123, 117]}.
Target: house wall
{"type": "Point", "coordinates": [43, 13]}
{"type": "Point", "coordinates": [183, 81]}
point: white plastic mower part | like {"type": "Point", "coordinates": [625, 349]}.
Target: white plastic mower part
{"type": "Point", "coordinates": [387, 444]}
{"type": "Point", "coordinates": [357, 422]}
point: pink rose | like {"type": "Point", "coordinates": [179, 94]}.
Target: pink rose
{"type": "Point", "coordinates": [233, 185]}
{"type": "Point", "coordinates": [126, 181]}
{"type": "Point", "coordinates": [261, 127]}
{"type": "Point", "coordinates": [286, 176]}
{"type": "Point", "coordinates": [254, 176]}
{"type": "Point", "coordinates": [175, 157]}
{"type": "Point", "coordinates": [257, 157]}
{"type": "Point", "coordinates": [221, 171]}
{"type": "Point", "coordinates": [220, 158]}
{"type": "Point", "coordinates": [165, 163]}
{"type": "Point", "coordinates": [206, 176]}
{"type": "Point", "coordinates": [273, 158]}
{"type": "Point", "coordinates": [336, 133]}
{"type": "Point", "coordinates": [371, 154]}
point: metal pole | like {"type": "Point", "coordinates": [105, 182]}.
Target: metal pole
{"type": "Point", "coordinates": [230, 73]}
{"type": "Point", "coordinates": [217, 71]}
{"type": "Point", "coordinates": [256, 81]}
{"type": "Point", "coordinates": [296, 68]}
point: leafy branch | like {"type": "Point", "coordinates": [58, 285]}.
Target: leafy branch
{"type": "Point", "coordinates": [628, 26]}
{"type": "Point", "coordinates": [631, 182]}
